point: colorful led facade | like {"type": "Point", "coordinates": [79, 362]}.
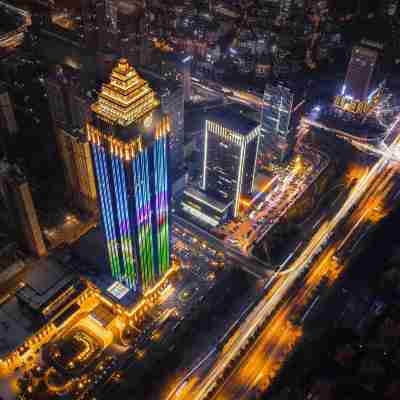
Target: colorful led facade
{"type": "Point", "coordinates": [129, 141]}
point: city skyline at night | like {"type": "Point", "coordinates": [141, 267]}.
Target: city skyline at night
{"type": "Point", "coordinates": [199, 199]}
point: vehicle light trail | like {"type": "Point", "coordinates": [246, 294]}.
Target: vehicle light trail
{"type": "Point", "coordinates": [366, 186]}
{"type": "Point", "coordinates": [318, 242]}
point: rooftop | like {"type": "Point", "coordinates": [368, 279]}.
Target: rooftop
{"type": "Point", "coordinates": [45, 281]}
{"type": "Point", "coordinates": [158, 82]}
{"type": "Point", "coordinates": [206, 199]}
{"type": "Point", "coordinates": [15, 326]}
{"type": "Point", "coordinates": [232, 120]}
{"type": "Point", "coordinates": [349, 123]}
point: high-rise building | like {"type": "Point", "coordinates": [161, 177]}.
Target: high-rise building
{"type": "Point", "coordinates": [75, 154]}
{"type": "Point", "coordinates": [276, 133]}
{"type": "Point", "coordinates": [123, 30]}
{"type": "Point", "coordinates": [172, 103]}
{"type": "Point", "coordinates": [89, 19]}
{"type": "Point", "coordinates": [8, 123]}
{"type": "Point", "coordinates": [70, 112]}
{"type": "Point", "coordinates": [18, 205]}
{"type": "Point", "coordinates": [129, 141]}
{"type": "Point", "coordinates": [187, 77]}
{"type": "Point", "coordinates": [229, 160]}
{"type": "Point", "coordinates": [170, 93]}
{"type": "Point", "coordinates": [359, 73]}
{"type": "Point", "coordinates": [57, 100]}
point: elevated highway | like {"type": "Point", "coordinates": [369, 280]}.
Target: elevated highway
{"type": "Point", "coordinates": [208, 386]}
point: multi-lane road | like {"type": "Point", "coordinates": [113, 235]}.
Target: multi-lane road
{"type": "Point", "coordinates": [250, 264]}
{"type": "Point", "coordinates": [258, 367]}
{"type": "Point", "coordinates": [229, 94]}
{"type": "Point", "coordinates": [316, 257]}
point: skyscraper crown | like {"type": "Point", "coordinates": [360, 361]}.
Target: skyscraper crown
{"type": "Point", "coordinates": [127, 97]}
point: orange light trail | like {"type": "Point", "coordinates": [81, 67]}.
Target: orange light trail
{"type": "Point", "coordinates": [263, 190]}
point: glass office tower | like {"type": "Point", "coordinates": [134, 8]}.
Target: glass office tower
{"type": "Point", "coordinates": [230, 153]}
{"type": "Point", "coordinates": [129, 142]}
{"type": "Point", "coordinates": [276, 114]}
{"type": "Point", "coordinates": [359, 73]}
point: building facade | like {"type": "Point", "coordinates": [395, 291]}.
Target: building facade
{"type": "Point", "coordinates": [22, 220]}
{"type": "Point", "coordinates": [70, 112]}
{"type": "Point", "coordinates": [230, 153]}
{"type": "Point", "coordinates": [359, 73]}
{"type": "Point", "coordinates": [8, 123]}
{"type": "Point", "coordinates": [129, 142]}
{"type": "Point", "coordinates": [276, 113]}
{"type": "Point", "coordinates": [187, 77]}
{"type": "Point", "coordinates": [172, 103]}
{"type": "Point", "coordinates": [78, 167]}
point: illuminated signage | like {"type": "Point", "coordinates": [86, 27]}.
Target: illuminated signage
{"type": "Point", "coordinates": [347, 103]}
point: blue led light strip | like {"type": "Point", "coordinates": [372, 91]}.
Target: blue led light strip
{"type": "Point", "coordinates": [131, 270]}
{"type": "Point", "coordinates": [147, 226]}
{"type": "Point", "coordinates": [143, 217]}
{"type": "Point", "coordinates": [149, 229]}
{"type": "Point", "coordinates": [161, 184]}
{"type": "Point", "coordinates": [165, 238]}
{"type": "Point", "coordinates": [105, 211]}
{"type": "Point", "coordinates": [118, 190]}
{"type": "Point", "coordinates": [139, 216]}
{"type": "Point", "coordinates": [115, 262]}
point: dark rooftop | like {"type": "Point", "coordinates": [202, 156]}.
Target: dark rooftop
{"type": "Point", "coordinates": [206, 198]}
{"type": "Point", "coordinates": [232, 120]}
{"type": "Point", "coordinates": [45, 280]}
{"type": "Point", "coordinates": [157, 82]}
{"type": "Point", "coordinates": [195, 116]}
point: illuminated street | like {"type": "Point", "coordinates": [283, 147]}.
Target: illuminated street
{"type": "Point", "coordinates": [278, 338]}
{"type": "Point", "coordinates": [264, 211]}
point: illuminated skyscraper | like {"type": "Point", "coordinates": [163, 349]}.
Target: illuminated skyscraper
{"type": "Point", "coordinates": [359, 73]}
{"type": "Point", "coordinates": [276, 116]}
{"type": "Point", "coordinates": [229, 160]}
{"type": "Point", "coordinates": [129, 141]}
